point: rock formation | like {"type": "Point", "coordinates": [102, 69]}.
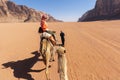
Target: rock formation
{"type": "Point", "coordinates": [10, 12]}
{"type": "Point", "coordinates": [104, 10]}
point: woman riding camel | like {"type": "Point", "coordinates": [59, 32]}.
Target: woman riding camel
{"type": "Point", "coordinates": [46, 32]}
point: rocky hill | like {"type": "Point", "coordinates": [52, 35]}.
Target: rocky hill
{"type": "Point", "coordinates": [104, 10]}
{"type": "Point", "coordinates": [10, 12]}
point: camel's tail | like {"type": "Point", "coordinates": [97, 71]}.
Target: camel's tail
{"type": "Point", "coordinates": [62, 63]}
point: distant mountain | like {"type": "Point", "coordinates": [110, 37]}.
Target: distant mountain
{"type": "Point", "coordinates": [10, 12]}
{"type": "Point", "coordinates": [104, 10]}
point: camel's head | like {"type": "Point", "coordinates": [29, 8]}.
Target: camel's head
{"type": "Point", "coordinates": [61, 50]}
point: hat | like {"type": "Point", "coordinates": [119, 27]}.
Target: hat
{"type": "Point", "coordinates": [44, 17]}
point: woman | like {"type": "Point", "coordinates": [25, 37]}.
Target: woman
{"type": "Point", "coordinates": [46, 31]}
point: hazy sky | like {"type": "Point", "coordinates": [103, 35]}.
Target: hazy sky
{"type": "Point", "coordinates": [66, 10]}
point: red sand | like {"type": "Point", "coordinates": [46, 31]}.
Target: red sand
{"type": "Point", "coordinates": [93, 50]}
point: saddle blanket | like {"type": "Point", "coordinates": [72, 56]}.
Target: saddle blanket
{"type": "Point", "coordinates": [45, 34]}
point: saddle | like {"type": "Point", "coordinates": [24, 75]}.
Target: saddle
{"type": "Point", "coordinates": [51, 32]}
{"type": "Point", "coordinates": [47, 40]}
{"type": "Point", "coordinates": [48, 34]}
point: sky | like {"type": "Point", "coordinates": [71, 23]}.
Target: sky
{"type": "Point", "coordinates": [65, 10]}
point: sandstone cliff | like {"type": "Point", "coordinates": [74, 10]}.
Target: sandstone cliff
{"type": "Point", "coordinates": [104, 10]}
{"type": "Point", "coordinates": [10, 12]}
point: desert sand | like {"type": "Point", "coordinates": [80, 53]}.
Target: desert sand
{"type": "Point", "coordinates": [93, 51]}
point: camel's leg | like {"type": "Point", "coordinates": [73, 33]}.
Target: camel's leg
{"type": "Point", "coordinates": [43, 51]}
{"type": "Point", "coordinates": [47, 64]}
{"type": "Point", "coordinates": [52, 54]}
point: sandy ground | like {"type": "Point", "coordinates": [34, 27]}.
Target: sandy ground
{"type": "Point", "coordinates": [93, 51]}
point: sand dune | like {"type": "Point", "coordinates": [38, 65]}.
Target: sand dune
{"type": "Point", "coordinates": [93, 51]}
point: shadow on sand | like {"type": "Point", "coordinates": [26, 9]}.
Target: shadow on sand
{"type": "Point", "coordinates": [21, 68]}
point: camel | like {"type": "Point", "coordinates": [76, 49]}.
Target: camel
{"type": "Point", "coordinates": [46, 50]}
{"type": "Point", "coordinates": [62, 63]}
